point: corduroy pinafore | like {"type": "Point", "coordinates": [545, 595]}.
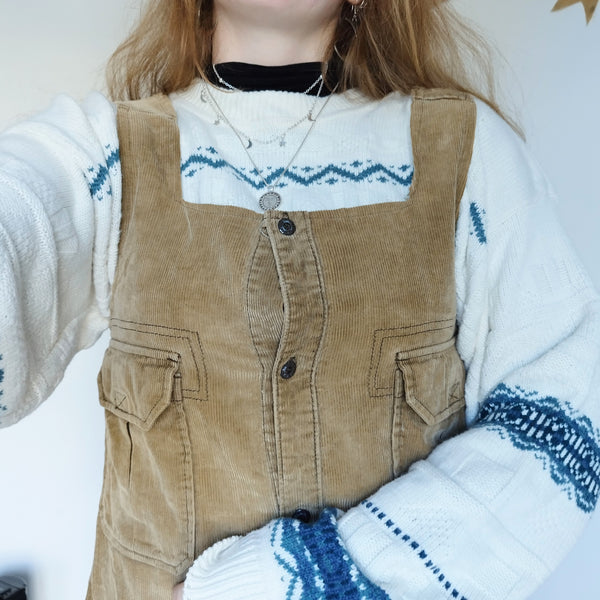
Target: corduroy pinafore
{"type": "Point", "coordinates": [262, 363]}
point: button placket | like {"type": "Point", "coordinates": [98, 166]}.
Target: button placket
{"type": "Point", "coordinates": [297, 435]}
{"type": "Point", "coordinates": [287, 227]}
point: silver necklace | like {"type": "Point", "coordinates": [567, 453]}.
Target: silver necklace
{"type": "Point", "coordinates": [270, 199]}
{"type": "Point", "coordinates": [281, 135]}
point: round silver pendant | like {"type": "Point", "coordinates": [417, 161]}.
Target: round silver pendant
{"type": "Point", "coordinates": [270, 200]}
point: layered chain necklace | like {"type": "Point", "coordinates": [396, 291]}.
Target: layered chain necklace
{"type": "Point", "coordinates": [280, 136]}
{"type": "Point", "coordinates": [270, 199]}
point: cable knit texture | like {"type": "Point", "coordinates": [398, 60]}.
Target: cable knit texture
{"type": "Point", "coordinates": [285, 559]}
{"type": "Point", "coordinates": [490, 512]}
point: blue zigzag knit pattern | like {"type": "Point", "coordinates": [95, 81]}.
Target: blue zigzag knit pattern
{"type": "Point", "coordinates": [98, 176]}
{"type": "Point", "coordinates": [2, 407]}
{"type": "Point", "coordinates": [476, 213]}
{"type": "Point", "coordinates": [356, 171]}
{"type": "Point", "coordinates": [317, 564]}
{"type": "Point", "coordinates": [566, 444]}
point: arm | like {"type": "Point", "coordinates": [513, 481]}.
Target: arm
{"type": "Point", "coordinates": [492, 511]}
{"type": "Point", "coordinates": [59, 216]}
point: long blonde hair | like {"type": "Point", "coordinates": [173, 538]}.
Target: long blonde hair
{"type": "Point", "coordinates": [398, 45]}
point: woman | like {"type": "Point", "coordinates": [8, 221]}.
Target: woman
{"type": "Point", "coordinates": [291, 334]}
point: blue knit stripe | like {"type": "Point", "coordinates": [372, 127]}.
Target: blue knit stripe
{"type": "Point", "coordinates": [441, 577]}
{"type": "Point", "coordinates": [306, 176]}
{"type": "Point", "coordinates": [567, 445]}
{"type": "Point", "coordinates": [476, 214]}
{"type": "Point", "coordinates": [98, 176]}
{"type": "Point", "coordinates": [316, 562]}
{"type": "Point", "coordinates": [2, 407]}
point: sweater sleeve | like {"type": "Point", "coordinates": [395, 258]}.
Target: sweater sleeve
{"type": "Point", "coordinates": [59, 215]}
{"type": "Point", "coordinates": [492, 511]}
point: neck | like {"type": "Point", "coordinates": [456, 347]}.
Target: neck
{"type": "Point", "coordinates": [268, 44]}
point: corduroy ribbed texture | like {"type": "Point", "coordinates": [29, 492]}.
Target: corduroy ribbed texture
{"type": "Point", "coordinates": [205, 437]}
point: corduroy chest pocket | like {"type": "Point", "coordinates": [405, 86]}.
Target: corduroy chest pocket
{"type": "Point", "coordinates": [429, 401]}
{"type": "Point", "coordinates": [146, 508]}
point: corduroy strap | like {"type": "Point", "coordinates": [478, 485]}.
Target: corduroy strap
{"type": "Point", "coordinates": [443, 133]}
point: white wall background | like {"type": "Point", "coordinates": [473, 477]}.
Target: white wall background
{"type": "Point", "coordinates": [51, 463]}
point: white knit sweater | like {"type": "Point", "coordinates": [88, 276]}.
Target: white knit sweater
{"type": "Point", "coordinates": [491, 512]}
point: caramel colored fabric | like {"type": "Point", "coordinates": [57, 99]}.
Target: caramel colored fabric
{"type": "Point", "coordinates": [204, 437]}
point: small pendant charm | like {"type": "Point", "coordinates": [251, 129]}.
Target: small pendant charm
{"type": "Point", "coordinates": [270, 200]}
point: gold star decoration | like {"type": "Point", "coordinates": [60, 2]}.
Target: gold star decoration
{"type": "Point", "coordinates": [589, 5]}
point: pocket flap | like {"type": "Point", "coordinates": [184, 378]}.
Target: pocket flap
{"type": "Point", "coordinates": [434, 381]}
{"type": "Point", "coordinates": [136, 383]}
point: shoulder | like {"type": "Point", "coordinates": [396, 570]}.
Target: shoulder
{"type": "Point", "coordinates": [68, 130]}
{"type": "Point", "coordinates": [504, 177]}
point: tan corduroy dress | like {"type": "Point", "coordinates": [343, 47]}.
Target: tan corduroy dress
{"type": "Point", "coordinates": [265, 363]}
